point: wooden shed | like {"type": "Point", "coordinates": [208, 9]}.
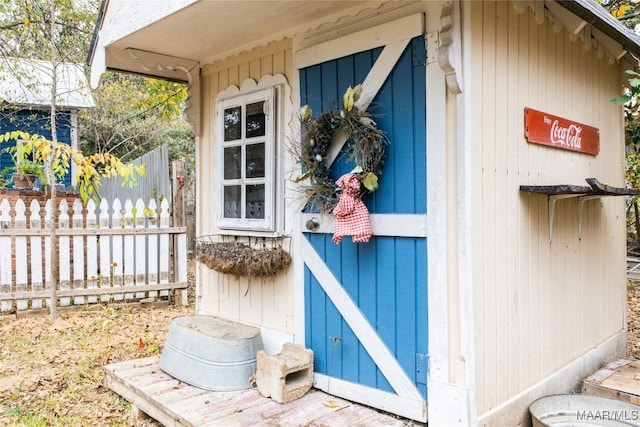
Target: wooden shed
{"type": "Point", "coordinates": [496, 273]}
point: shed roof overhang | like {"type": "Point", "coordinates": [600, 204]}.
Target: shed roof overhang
{"type": "Point", "coordinates": [170, 39]}
{"type": "Point", "coordinates": [592, 13]}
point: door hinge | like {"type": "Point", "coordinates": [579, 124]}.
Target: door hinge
{"type": "Point", "coordinates": [432, 46]}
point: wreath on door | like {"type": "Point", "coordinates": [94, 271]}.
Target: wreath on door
{"type": "Point", "coordinates": [365, 147]}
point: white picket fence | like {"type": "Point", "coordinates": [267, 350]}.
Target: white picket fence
{"type": "Point", "coordinates": [106, 253]}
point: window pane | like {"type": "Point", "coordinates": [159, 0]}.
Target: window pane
{"type": "Point", "coordinates": [255, 119]}
{"type": "Point", "coordinates": [255, 161]}
{"type": "Point", "coordinates": [232, 159]}
{"type": "Point", "coordinates": [255, 201]}
{"type": "Point", "coordinates": [232, 201]}
{"type": "Point", "coordinates": [232, 124]}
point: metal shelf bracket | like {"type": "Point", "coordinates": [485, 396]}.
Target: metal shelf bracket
{"type": "Point", "coordinates": [553, 198]}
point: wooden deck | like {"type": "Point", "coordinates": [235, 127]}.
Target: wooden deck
{"type": "Point", "coordinates": [174, 403]}
{"type": "Point", "coordinates": [619, 379]}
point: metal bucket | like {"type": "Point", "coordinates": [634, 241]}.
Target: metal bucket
{"type": "Point", "coordinates": [211, 353]}
{"type": "Point", "coordinates": [581, 410]}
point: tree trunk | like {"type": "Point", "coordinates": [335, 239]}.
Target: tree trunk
{"type": "Point", "coordinates": [55, 256]}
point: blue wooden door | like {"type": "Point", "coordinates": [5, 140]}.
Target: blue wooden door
{"type": "Point", "coordinates": [366, 304]}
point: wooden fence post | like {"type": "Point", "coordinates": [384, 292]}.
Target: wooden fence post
{"type": "Point", "coordinates": [129, 249]}
{"type": "Point", "coordinates": [163, 241]}
{"type": "Point", "coordinates": [118, 257]}
{"type": "Point", "coordinates": [35, 243]}
{"type": "Point", "coordinates": [78, 251]}
{"type": "Point", "coordinates": [20, 223]}
{"type": "Point", "coordinates": [152, 247]}
{"type": "Point", "coordinates": [5, 256]}
{"type": "Point", "coordinates": [64, 259]}
{"type": "Point", "coordinates": [92, 251]}
{"type": "Point", "coordinates": [104, 221]}
{"type": "Point", "coordinates": [178, 220]}
{"type": "Point", "coordinates": [177, 193]}
{"type": "Point", "coordinates": [52, 301]}
{"type": "Point", "coordinates": [141, 247]}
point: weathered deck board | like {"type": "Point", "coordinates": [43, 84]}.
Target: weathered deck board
{"type": "Point", "coordinates": [351, 415]}
{"type": "Point", "coordinates": [177, 404]}
{"type": "Point", "coordinates": [299, 412]}
{"type": "Point", "coordinates": [619, 379]}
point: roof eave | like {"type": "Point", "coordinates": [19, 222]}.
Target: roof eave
{"type": "Point", "coordinates": [96, 29]}
{"type": "Point", "coordinates": [594, 14]}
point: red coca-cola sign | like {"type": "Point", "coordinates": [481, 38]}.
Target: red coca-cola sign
{"type": "Point", "coordinates": [546, 129]}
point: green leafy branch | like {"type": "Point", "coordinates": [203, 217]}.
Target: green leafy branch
{"type": "Point", "coordinates": [89, 169]}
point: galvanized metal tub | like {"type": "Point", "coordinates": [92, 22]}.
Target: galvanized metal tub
{"type": "Point", "coordinates": [211, 353]}
{"type": "Point", "coordinates": [581, 410]}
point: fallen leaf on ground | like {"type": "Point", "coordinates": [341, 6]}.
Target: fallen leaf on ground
{"type": "Point", "coordinates": [332, 404]}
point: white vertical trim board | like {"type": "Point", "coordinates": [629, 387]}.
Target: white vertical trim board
{"type": "Point", "coordinates": [437, 224]}
{"type": "Point", "coordinates": [465, 141]}
{"type": "Point", "coordinates": [299, 310]}
{"type": "Point", "coordinates": [381, 355]}
{"type": "Point", "coordinates": [448, 403]}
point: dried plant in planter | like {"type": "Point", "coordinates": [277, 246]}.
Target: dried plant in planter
{"type": "Point", "coordinates": [241, 259]}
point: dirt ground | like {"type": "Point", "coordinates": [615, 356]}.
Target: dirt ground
{"type": "Point", "coordinates": [633, 319]}
{"type": "Point", "coordinates": [51, 374]}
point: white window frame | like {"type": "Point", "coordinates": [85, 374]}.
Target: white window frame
{"type": "Point", "coordinates": [269, 225]}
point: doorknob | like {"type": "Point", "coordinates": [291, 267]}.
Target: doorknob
{"type": "Point", "coordinates": [312, 224]}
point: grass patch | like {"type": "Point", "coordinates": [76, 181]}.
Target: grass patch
{"type": "Point", "coordinates": [51, 373]}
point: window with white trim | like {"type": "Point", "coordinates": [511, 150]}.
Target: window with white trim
{"type": "Point", "coordinates": [247, 128]}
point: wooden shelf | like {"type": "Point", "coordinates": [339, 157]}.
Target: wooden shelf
{"type": "Point", "coordinates": [583, 193]}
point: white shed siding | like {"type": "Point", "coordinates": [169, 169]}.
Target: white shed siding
{"type": "Point", "coordinates": [540, 305]}
{"type": "Point", "coordinates": [268, 302]}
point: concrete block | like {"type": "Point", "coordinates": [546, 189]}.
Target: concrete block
{"type": "Point", "coordinates": [285, 376]}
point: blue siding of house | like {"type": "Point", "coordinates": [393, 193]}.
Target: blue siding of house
{"type": "Point", "coordinates": [34, 122]}
{"type": "Point", "coordinates": [386, 277]}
